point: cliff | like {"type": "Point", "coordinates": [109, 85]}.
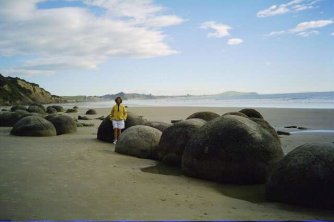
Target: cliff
{"type": "Point", "coordinates": [15, 91]}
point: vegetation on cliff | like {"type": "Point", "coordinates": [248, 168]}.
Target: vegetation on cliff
{"type": "Point", "coordinates": [15, 91]}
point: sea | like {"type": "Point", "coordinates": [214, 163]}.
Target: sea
{"type": "Point", "coordinates": [190, 102]}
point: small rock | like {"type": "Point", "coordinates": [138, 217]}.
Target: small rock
{"type": "Point", "coordinates": [176, 121]}
{"type": "Point", "coordinates": [279, 132]}
{"type": "Point", "coordinates": [290, 127]}
{"type": "Point", "coordinates": [83, 118]}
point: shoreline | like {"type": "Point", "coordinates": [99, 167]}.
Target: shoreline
{"type": "Point", "coordinates": [76, 176]}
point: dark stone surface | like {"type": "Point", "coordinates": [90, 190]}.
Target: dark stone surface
{"type": "Point", "coordinates": [207, 116]}
{"type": "Point", "coordinates": [63, 124]}
{"type": "Point", "coordinates": [91, 112]}
{"type": "Point", "coordinates": [251, 113]}
{"type": "Point", "coordinates": [232, 149]}
{"type": "Point", "coordinates": [10, 118]}
{"type": "Point", "coordinates": [139, 141]}
{"type": "Point", "coordinates": [304, 176]}
{"type": "Point", "coordinates": [51, 110]}
{"type": "Point", "coordinates": [236, 114]}
{"type": "Point", "coordinates": [36, 109]}
{"type": "Point", "coordinates": [174, 140]}
{"type": "Point", "coordinates": [158, 125]}
{"type": "Point", "coordinates": [33, 126]}
{"type": "Point", "coordinates": [105, 130]}
{"type": "Point", "coordinates": [18, 107]}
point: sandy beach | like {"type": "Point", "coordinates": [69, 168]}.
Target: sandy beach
{"type": "Point", "coordinates": [76, 176]}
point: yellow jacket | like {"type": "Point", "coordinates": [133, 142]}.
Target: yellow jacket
{"type": "Point", "coordinates": [118, 113]}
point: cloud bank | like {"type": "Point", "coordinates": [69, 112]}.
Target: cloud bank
{"type": "Point", "coordinates": [76, 37]}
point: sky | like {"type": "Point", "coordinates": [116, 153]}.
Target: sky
{"type": "Point", "coordinates": [169, 47]}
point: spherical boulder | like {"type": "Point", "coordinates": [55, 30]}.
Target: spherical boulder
{"type": "Point", "coordinates": [266, 126]}
{"type": "Point", "coordinates": [207, 116]}
{"type": "Point", "coordinates": [10, 118]}
{"type": "Point", "coordinates": [58, 108]}
{"type": "Point", "coordinates": [139, 141]}
{"type": "Point", "coordinates": [174, 140]}
{"type": "Point", "coordinates": [91, 112]}
{"type": "Point", "coordinates": [231, 149]}
{"type": "Point", "coordinates": [158, 125]}
{"type": "Point", "coordinates": [63, 124]}
{"type": "Point", "coordinates": [33, 126]}
{"type": "Point", "coordinates": [251, 113]}
{"type": "Point", "coordinates": [36, 109]}
{"type": "Point", "coordinates": [236, 114]}
{"type": "Point", "coordinates": [18, 107]}
{"type": "Point", "coordinates": [304, 176]}
{"type": "Point", "coordinates": [51, 110]}
{"type": "Point", "coordinates": [105, 131]}
{"type": "Point", "coordinates": [71, 111]}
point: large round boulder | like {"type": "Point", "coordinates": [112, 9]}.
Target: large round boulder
{"type": "Point", "coordinates": [63, 124]}
{"type": "Point", "coordinates": [10, 118]}
{"type": "Point", "coordinates": [33, 126]}
{"type": "Point", "coordinates": [105, 130]}
{"type": "Point", "coordinates": [174, 140]}
{"type": "Point", "coordinates": [18, 107]}
{"type": "Point", "coordinates": [139, 141]}
{"type": "Point", "coordinates": [51, 110]}
{"type": "Point", "coordinates": [231, 149]}
{"type": "Point", "coordinates": [71, 110]}
{"type": "Point", "coordinates": [207, 116]}
{"type": "Point", "coordinates": [251, 113]}
{"type": "Point", "coordinates": [91, 112]}
{"type": "Point", "coordinates": [158, 125]}
{"type": "Point", "coordinates": [304, 176]}
{"type": "Point", "coordinates": [235, 114]}
{"type": "Point", "coordinates": [36, 109]}
{"type": "Point", "coordinates": [58, 108]}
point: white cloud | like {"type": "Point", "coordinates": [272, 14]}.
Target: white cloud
{"type": "Point", "coordinates": [311, 25]}
{"type": "Point", "coordinates": [304, 29]}
{"type": "Point", "coordinates": [74, 37]}
{"type": "Point", "coordinates": [292, 6]}
{"type": "Point", "coordinates": [219, 30]}
{"type": "Point", "coordinates": [234, 41]}
{"type": "Point", "coordinates": [332, 33]}
{"type": "Point", "coordinates": [308, 33]}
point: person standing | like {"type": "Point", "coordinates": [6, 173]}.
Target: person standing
{"type": "Point", "coordinates": [118, 116]}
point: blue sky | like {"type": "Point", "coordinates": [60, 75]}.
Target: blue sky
{"type": "Point", "coordinates": [96, 47]}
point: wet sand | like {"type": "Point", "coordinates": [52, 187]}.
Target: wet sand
{"type": "Point", "coordinates": [75, 176]}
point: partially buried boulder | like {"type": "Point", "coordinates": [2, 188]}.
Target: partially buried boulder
{"type": "Point", "coordinates": [174, 140]}
{"type": "Point", "coordinates": [235, 114]}
{"type": "Point", "coordinates": [63, 124]}
{"type": "Point", "coordinates": [139, 141]}
{"type": "Point", "coordinates": [33, 126]}
{"type": "Point", "coordinates": [105, 130]}
{"type": "Point", "coordinates": [207, 116]}
{"type": "Point", "coordinates": [251, 113]}
{"type": "Point", "coordinates": [58, 108]}
{"type": "Point", "coordinates": [83, 118]}
{"type": "Point", "coordinates": [304, 176]}
{"type": "Point", "coordinates": [51, 110]}
{"type": "Point", "coordinates": [232, 149]}
{"type": "Point", "coordinates": [71, 110]}
{"type": "Point", "coordinates": [36, 109]}
{"type": "Point", "coordinates": [91, 112]}
{"type": "Point", "coordinates": [158, 125]}
{"type": "Point", "coordinates": [18, 107]}
{"type": "Point", "coordinates": [10, 118]}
